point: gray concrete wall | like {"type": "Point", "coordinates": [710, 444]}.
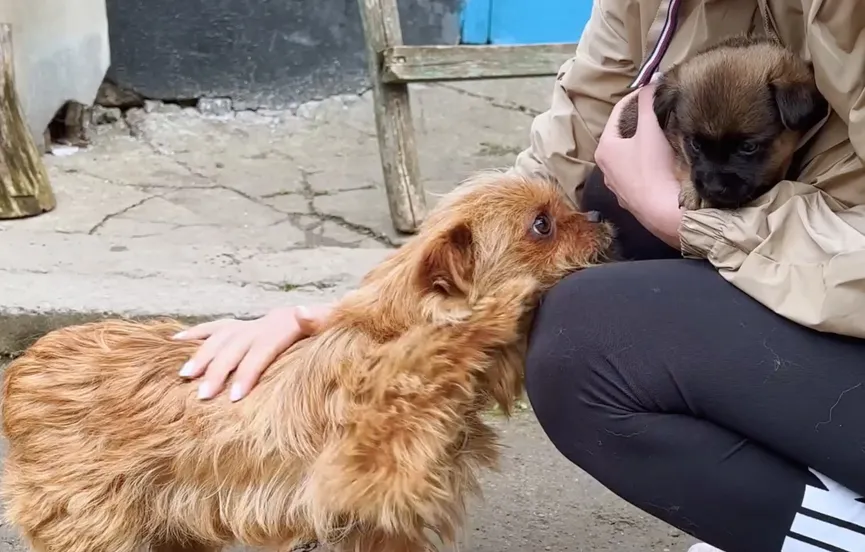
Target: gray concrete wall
{"type": "Point", "coordinates": [261, 53]}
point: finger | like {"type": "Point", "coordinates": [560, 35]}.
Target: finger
{"type": "Point", "coordinates": [198, 363]}
{"type": "Point", "coordinates": [204, 330]}
{"type": "Point", "coordinates": [259, 357]}
{"type": "Point", "coordinates": [218, 370]}
{"type": "Point", "coordinates": [310, 319]}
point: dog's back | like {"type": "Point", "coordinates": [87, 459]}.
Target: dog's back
{"type": "Point", "coordinates": [108, 447]}
{"type": "Point", "coordinates": [109, 452]}
{"type": "Point", "coordinates": [76, 404]}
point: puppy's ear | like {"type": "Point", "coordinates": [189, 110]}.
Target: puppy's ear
{"type": "Point", "coordinates": [664, 103]}
{"type": "Point", "coordinates": [801, 106]}
{"type": "Point", "coordinates": [448, 262]}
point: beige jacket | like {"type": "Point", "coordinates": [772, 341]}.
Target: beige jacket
{"type": "Point", "coordinates": [799, 249]}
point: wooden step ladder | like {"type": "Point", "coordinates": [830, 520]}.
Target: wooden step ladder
{"type": "Point", "coordinates": [392, 66]}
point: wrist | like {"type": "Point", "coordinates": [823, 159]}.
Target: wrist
{"type": "Point", "coordinates": [668, 228]}
{"type": "Point", "coordinates": [663, 216]}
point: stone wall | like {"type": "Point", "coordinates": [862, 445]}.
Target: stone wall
{"type": "Point", "coordinates": [260, 53]}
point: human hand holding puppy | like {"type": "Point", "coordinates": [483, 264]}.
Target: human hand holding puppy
{"type": "Point", "coordinates": [640, 170]}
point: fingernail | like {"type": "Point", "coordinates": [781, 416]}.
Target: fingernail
{"type": "Point", "coordinates": [302, 312]}
{"type": "Point", "coordinates": [236, 393]}
{"type": "Point", "coordinates": [187, 370]}
{"type": "Point", "coordinates": [179, 335]}
{"type": "Point", "coordinates": [204, 391]}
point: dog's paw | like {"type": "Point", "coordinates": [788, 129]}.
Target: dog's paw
{"type": "Point", "coordinates": [688, 198]}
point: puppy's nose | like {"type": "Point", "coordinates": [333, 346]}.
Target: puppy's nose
{"type": "Point", "coordinates": [593, 216]}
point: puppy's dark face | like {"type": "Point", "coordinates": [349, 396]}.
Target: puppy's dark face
{"type": "Point", "coordinates": [735, 114]}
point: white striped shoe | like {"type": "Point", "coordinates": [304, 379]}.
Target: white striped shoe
{"type": "Point", "coordinates": [703, 547]}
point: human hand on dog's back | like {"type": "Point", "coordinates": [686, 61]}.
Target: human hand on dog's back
{"type": "Point", "coordinates": [246, 347]}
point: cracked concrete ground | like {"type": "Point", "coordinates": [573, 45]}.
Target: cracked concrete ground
{"type": "Point", "coordinates": [171, 212]}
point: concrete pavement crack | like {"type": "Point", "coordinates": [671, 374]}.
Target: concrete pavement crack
{"type": "Point", "coordinates": [358, 228]}
{"type": "Point", "coordinates": [282, 194]}
{"type": "Point", "coordinates": [126, 209]}
{"type": "Point", "coordinates": [185, 166]}
{"type": "Point", "coordinates": [252, 199]}
{"type": "Point", "coordinates": [24, 270]}
{"type": "Point", "coordinates": [133, 185]}
{"type": "Point", "coordinates": [283, 155]}
{"type": "Point", "coordinates": [317, 193]}
{"type": "Point", "coordinates": [310, 195]}
{"type": "Point", "coordinates": [341, 190]}
{"type": "Point", "coordinates": [227, 188]}
{"type": "Point", "coordinates": [520, 108]}
{"type": "Point", "coordinates": [290, 286]}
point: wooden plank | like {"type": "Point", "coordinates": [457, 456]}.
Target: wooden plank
{"type": "Point", "coordinates": [403, 64]}
{"type": "Point", "coordinates": [24, 186]}
{"type": "Point", "coordinates": [394, 125]}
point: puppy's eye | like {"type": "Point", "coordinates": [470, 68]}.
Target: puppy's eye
{"type": "Point", "coordinates": [542, 225]}
{"type": "Point", "coordinates": [693, 144]}
{"type": "Point", "coordinates": [748, 148]}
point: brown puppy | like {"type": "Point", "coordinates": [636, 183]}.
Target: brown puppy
{"type": "Point", "coordinates": [733, 114]}
{"type": "Point", "coordinates": [362, 437]}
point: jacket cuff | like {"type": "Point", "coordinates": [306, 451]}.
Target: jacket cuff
{"type": "Point", "coordinates": [702, 232]}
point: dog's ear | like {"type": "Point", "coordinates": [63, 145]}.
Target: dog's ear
{"type": "Point", "coordinates": [448, 262]}
{"type": "Point", "coordinates": [665, 100]}
{"type": "Point", "coordinates": [801, 106]}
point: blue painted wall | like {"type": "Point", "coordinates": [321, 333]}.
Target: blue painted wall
{"type": "Point", "coordinates": [523, 21]}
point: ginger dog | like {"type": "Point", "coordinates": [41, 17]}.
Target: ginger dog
{"type": "Point", "coordinates": [367, 437]}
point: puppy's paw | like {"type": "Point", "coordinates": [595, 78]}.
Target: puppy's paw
{"type": "Point", "coordinates": [689, 199]}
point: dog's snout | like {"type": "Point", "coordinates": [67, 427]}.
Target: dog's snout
{"type": "Point", "coordinates": [593, 216]}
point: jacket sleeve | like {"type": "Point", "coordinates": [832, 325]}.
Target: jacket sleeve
{"type": "Point", "coordinates": [800, 249]}
{"type": "Point", "coordinates": [563, 138]}
{"type": "Point", "coordinates": [797, 251]}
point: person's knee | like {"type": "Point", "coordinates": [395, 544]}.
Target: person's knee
{"type": "Point", "coordinates": [585, 365]}
{"type": "Point", "coordinates": [596, 349]}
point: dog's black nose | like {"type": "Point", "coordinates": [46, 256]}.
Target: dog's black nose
{"type": "Point", "coordinates": [593, 216]}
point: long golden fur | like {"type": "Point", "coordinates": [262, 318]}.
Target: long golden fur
{"type": "Point", "coordinates": [734, 115]}
{"type": "Point", "coordinates": [367, 436]}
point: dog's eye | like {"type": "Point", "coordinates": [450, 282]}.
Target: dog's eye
{"type": "Point", "coordinates": [748, 147]}
{"type": "Point", "coordinates": [694, 144]}
{"type": "Point", "coordinates": [542, 226]}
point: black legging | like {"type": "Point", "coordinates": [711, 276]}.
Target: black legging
{"type": "Point", "coordinates": [697, 404]}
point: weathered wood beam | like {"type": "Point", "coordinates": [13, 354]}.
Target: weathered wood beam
{"type": "Point", "coordinates": [24, 186]}
{"type": "Point", "coordinates": [404, 64]}
{"type": "Point", "coordinates": [394, 125]}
